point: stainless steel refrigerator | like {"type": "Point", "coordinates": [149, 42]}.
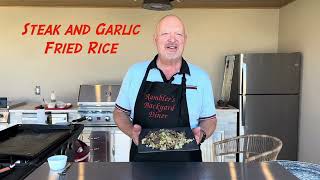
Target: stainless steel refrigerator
{"type": "Point", "coordinates": [266, 89]}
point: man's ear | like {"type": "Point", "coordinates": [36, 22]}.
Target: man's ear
{"type": "Point", "coordinates": [155, 39]}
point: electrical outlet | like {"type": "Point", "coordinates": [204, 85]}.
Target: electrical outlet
{"type": "Point", "coordinates": [37, 90]}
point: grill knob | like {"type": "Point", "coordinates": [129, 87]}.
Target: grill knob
{"type": "Point", "coordinates": [107, 118]}
{"type": "Point", "coordinates": [89, 118]}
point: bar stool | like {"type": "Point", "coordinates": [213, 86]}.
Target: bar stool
{"type": "Point", "coordinates": [251, 148]}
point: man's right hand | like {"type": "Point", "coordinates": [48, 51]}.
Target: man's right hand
{"type": "Point", "coordinates": [135, 133]}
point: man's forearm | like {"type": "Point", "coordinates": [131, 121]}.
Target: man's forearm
{"type": "Point", "coordinates": [208, 125]}
{"type": "Point", "coordinates": [123, 122]}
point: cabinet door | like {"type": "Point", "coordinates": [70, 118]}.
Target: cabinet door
{"type": "Point", "coordinates": [226, 128]}
{"type": "Point", "coordinates": [31, 118]}
{"type": "Point", "coordinates": [15, 118]}
{"type": "Point", "coordinates": [206, 150]}
{"type": "Point", "coordinates": [227, 122]}
{"type": "Point", "coordinates": [121, 146]}
{"type": "Point", "coordinates": [100, 144]}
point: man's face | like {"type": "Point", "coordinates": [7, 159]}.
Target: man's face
{"type": "Point", "coordinates": [170, 38]}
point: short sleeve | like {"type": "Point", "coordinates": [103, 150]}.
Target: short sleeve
{"type": "Point", "coordinates": [208, 109]}
{"type": "Point", "coordinates": [123, 100]}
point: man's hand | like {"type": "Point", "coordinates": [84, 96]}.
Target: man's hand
{"type": "Point", "coordinates": [135, 133]}
{"type": "Point", "coordinates": [197, 134]}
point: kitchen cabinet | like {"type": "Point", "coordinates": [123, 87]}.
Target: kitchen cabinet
{"type": "Point", "coordinates": [99, 140]}
{"type": "Point", "coordinates": [116, 145]}
{"type": "Point", "coordinates": [15, 117]}
{"type": "Point", "coordinates": [226, 128]}
{"type": "Point", "coordinates": [107, 144]}
{"type": "Point", "coordinates": [121, 146]}
{"type": "Point", "coordinates": [30, 117]}
{"type": "Point", "coordinates": [27, 114]}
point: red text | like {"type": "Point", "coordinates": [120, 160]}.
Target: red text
{"type": "Point", "coordinates": [78, 30]}
{"type": "Point", "coordinates": [118, 29]}
{"type": "Point", "coordinates": [41, 29]}
{"type": "Point", "coordinates": [63, 48]}
{"type": "Point", "coordinates": [102, 48]}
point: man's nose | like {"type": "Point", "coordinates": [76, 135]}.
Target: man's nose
{"type": "Point", "coordinates": [172, 37]}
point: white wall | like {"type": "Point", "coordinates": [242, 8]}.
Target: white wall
{"type": "Point", "coordinates": [212, 33]}
{"type": "Point", "coordinates": [300, 31]}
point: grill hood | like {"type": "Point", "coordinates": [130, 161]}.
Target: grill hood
{"type": "Point", "coordinates": [98, 95]}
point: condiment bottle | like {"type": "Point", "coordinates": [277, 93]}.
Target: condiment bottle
{"type": "Point", "coordinates": [53, 97]}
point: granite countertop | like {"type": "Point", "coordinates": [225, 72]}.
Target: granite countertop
{"type": "Point", "coordinates": [5, 126]}
{"type": "Point", "coordinates": [303, 170]}
{"type": "Point", "coordinates": [166, 171]}
{"type": "Point", "coordinates": [30, 107]}
{"type": "Point", "coordinates": [227, 109]}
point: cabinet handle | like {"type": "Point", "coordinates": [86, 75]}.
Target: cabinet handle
{"type": "Point", "coordinates": [113, 151]}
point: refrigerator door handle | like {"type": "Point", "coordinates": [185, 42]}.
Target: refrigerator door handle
{"type": "Point", "coordinates": [244, 90]}
{"type": "Point", "coordinates": [243, 122]}
{"type": "Point", "coordinates": [244, 78]}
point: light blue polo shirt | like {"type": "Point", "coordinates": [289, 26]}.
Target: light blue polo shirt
{"type": "Point", "coordinates": [200, 100]}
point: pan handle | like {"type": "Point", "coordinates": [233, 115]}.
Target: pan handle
{"type": "Point", "coordinates": [79, 120]}
{"type": "Point", "coordinates": [4, 169]}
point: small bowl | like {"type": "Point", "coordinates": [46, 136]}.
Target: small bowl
{"type": "Point", "coordinates": [51, 105]}
{"type": "Point", "coordinates": [61, 105]}
{"type": "Point", "coordinates": [57, 162]}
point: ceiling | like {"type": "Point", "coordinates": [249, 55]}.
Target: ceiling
{"type": "Point", "coordinates": [138, 3]}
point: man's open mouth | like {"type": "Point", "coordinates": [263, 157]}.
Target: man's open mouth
{"type": "Point", "coordinates": [172, 47]}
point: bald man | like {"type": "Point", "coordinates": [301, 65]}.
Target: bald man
{"type": "Point", "coordinates": [167, 92]}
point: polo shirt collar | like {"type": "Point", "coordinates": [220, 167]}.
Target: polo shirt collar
{"type": "Point", "coordinates": [183, 70]}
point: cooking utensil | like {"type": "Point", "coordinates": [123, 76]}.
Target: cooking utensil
{"type": "Point", "coordinates": [79, 120]}
{"type": "Point", "coordinates": [33, 139]}
{"type": "Point", "coordinates": [64, 172]}
{"type": "Point", "coordinates": [10, 167]}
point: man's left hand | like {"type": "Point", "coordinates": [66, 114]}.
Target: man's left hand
{"type": "Point", "coordinates": [197, 134]}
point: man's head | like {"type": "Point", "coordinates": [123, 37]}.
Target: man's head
{"type": "Point", "coordinates": [170, 38]}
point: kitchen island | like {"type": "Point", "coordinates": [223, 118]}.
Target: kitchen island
{"type": "Point", "coordinates": [167, 171]}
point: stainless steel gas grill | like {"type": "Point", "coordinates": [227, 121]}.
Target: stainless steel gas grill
{"type": "Point", "coordinates": [107, 143]}
{"type": "Point", "coordinates": [96, 104]}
